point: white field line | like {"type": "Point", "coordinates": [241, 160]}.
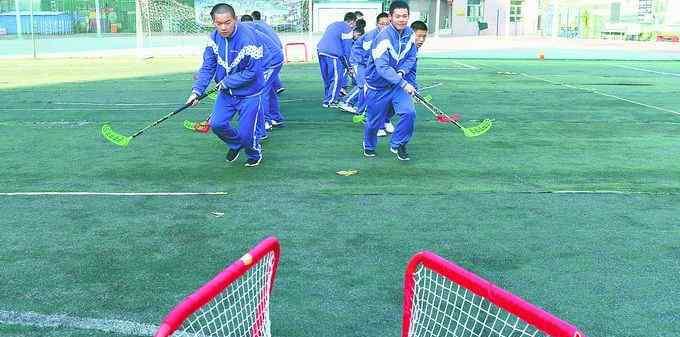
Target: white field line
{"type": "Point", "coordinates": [293, 100]}
{"type": "Point", "coordinates": [113, 104]}
{"type": "Point", "coordinates": [646, 70]}
{"type": "Point", "coordinates": [603, 192]}
{"type": "Point", "coordinates": [142, 104]}
{"type": "Point", "coordinates": [466, 65]}
{"type": "Point", "coordinates": [50, 123]}
{"type": "Point", "coordinates": [126, 194]}
{"type": "Point", "coordinates": [431, 86]}
{"type": "Point", "coordinates": [127, 106]}
{"type": "Point", "coordinates": [64, 321]}
{"type": "Point", "coordinates": [602, 94]}
{"type": "Point", "coordinates": [88, 109]}
{"type": "Point", "coordinates": [446, 68]}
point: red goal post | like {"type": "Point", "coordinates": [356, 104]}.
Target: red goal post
{"type": "Point", "coordinates": [442, 299]}
{"type": "Point", "coordinates": [294, 51]}
{"type": "Point", "coordinates": [234, 301]}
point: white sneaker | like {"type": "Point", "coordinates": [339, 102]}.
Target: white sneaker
{"type": "Point", "coordinates": [267, 126]}
{"type": "Point", "coordinates": [389, 127]}
{"type": "Point", "coordinates": [382, 133]}
{"type": "Point", "coordinates": [346, 107]}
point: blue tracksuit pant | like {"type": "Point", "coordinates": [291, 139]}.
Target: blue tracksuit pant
{"type": "Point", "coordinates": [273, 111]}
{"type": "Point", "coordinates": [270, 109]}
{"type": "Point", "coordinates": [277, 83]}
{"type": "Point", "coordinates": [381, 101]}
{"type": "Point", "coordinates": [357, 97]}
{"type": "Point", "coordinates": [249, 111]}
{"type": "Point", "coordinates": [331, 73]}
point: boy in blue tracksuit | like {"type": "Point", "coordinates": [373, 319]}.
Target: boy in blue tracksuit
{"type": "Point", "coordinates": [234, 59]}
{"type": "Point", "coordinates": [262, 26]}
{"type": "Point", "coordinates": [420, 32]}
{"type": "Point", "coordinates": [272, 61]}
{"type": "Point", "coordinates": [357, 80]}
{"type": "Point", "coordinates": [393, 55]}
{"type": "Point", "coordinates": [358, 59]}
{"type": "Point", "coordinates": [333, 51]}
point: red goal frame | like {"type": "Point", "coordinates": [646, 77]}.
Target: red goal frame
{"type": "Point", "coordinates": [213, 288]}
{"type": "Point", "coordinates": [531, 314]}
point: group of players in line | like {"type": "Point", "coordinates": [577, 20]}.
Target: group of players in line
{"type": "Point", "coordinates": [244, 59]}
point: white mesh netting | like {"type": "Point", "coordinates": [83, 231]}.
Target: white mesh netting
{"type": "Point", "coordinates": [169, 16]}
{"type": "Point", "coordinates": [442, 308]}
{"type": "Point", "coordinates": [240, 310]}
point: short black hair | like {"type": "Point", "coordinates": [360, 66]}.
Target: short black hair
{"type": "Point", "coordinates": [350, 17]}
{"type": "Point", "coordinates": [380, 16]}
{"type": "Point", "coordinates": [418, 25]}
{"type": "Point", "coordinates": [222, 8]}
{"type": "Point", "coordinates": [398, 4]}
{"type": "Point", "coordinates": [256, 15]}
{"type": "Point", "coordinates": [361, 23]}
{"type": "Point", "coordinates": [358, 13]}
{"type": "Point", "coordinates": [246, 17]}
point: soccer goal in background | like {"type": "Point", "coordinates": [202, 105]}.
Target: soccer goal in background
{"type": "Point", "coordinates": [441, 299]}
{"type": "Point", "coordinates": [177, 27]}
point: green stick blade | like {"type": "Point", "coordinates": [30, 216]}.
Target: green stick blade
{"type": "Point", "coordinates": [358, 119]}
{"type": "Point", "coordinates": [479, 129]}
{"type": "Point", "coordinates": [189, 125]}
{"type": "Point", "coordinates": [114, 137]}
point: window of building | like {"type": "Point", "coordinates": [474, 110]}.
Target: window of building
{"type": "Point", "coordinates": [516, 10]}
{"type": "Point", "coordinates": [475, 10]}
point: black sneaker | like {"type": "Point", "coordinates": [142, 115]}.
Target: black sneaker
{"type": "Point", "coordinates": [232, 155]}
{"type": "Point", "coordinates": [369, 153]}
{"type": "Point", "coordinates": [280, 90]}
{"type": "Point", "coordinates": [400, 152]}
{"type": "Point", "coordinates": [253, 162]}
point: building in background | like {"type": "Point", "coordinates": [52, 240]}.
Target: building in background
{"type": "Point", "coordinates": [625, 19]}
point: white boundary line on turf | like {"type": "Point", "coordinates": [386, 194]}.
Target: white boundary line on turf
{"type": "Point", "coordinates": [646, 70]}
{"type": "Point", "coordinates": [134, 194]}
{"type": "Point", "coordinates": [50, 123]}
{"type": "Point", "coordinates": [466, 65]}
{"type": "Point", "coordinates": [114, 104]}
{"type": "Point", "coordinates": [444, 68]}
{"type": "Point", "coordinates": [603, 192]}
{"type": "Point", "coordinates": [88, 109]}
{"type": "Point", "coordinates": [602, 94]}
{"type": "Point", "coordinates": [123, 105]}
{"type": "Point", "coordinates": [431, 86]}
{"type": "Point", "coordinates": [54, 321]}
{"type": "Point", "coordinates": [293, 100]}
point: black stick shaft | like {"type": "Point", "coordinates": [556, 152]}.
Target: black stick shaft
{"type": "Point", "coordinates": [435, 110]}
{"type": "Point", "coordinates": [182, 108]}
{"type": "Point", "coordinates": [349, 68]}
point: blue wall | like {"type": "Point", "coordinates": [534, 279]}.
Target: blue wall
{"type": "Point", "coordinates": [45, 23]}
